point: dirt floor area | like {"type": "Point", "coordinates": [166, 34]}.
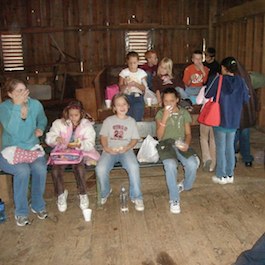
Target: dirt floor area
{"type": "Point", "coordinates": [216, 223]}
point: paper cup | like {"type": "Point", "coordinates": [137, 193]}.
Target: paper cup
{"type": "Point", "coordinates": [149, 102]}
{"type": "Point", "coordinates": [87, 214]}
{"type": "Point", "coordinates": [108, 103]}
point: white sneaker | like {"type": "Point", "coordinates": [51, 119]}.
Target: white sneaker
{"type": "Point", "coordinates": [222, 180]}
{"type": "Point", "coordinates": [198, 161]}
{"type": "Point", "coordinates": [84, 202]}
{"type": "Point", "coordinates": [62, 201]}
{"type": "Point", "coordinates": [174, 207]}
{"type": "Point", "coordinates": [104, 200]}
{"type": "Point", "coordinates": [138, 205]}
{"type": "Point", "coordinates": [230, 179]}
{"type": "Point", "coordinates": [181, 186]}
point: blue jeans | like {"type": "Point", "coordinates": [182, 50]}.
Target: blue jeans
{"type": "Point", "coordinates": [21, 176]}
{"type": "Point", "coordinates": [189, 93]}
{"type": "Point", "coordinates": [225, 152]}
{"type": "Point", "coordinates": [150, 80]}
{"type": "Point", "coordinates": [242, 138]}
{"type": "Point", "coordinates": [170, 167]}
{"type": "Point", "coordinates": [136, 109]}
{"type": "Point", "coordinates": [129, 163]}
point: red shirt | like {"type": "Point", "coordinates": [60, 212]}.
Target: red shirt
{"type": "Point", "coordinates": [149, 69]}
{"type": "Point", "coordinates": [198, 80]}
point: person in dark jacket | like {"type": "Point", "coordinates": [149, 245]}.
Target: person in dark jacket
{"type": "Point", "coordinates": [211, 63]}
{"type": "Point", "coordinates": [255, 255]}
{"type": "Point", "coordinates": [248, 119]}
{"type": "Point", "coordinates": [234, 94]}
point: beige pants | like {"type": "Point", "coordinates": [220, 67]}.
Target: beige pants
{"type": "Point", "coordinates": [207, 144]}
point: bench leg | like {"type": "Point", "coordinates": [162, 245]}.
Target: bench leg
{"type": "Point", "coordinates": [6, 190]}
{"type": "Point", "coordinates": [98, 192]}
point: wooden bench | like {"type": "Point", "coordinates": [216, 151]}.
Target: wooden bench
{"type": "Point", "coordinates": [145, 128]}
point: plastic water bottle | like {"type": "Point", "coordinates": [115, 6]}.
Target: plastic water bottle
{"type": "Point", "coordinates": [2, 211]}
{"type": "Point", "coordinates": [124, 200]}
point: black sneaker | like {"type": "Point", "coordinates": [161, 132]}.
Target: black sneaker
{"type": "Point", "coordinates": [41, 214]}
{"type": "Point", "coordinates": [22, 220]}
{"type": "Point", "coordinates": [248, 164]}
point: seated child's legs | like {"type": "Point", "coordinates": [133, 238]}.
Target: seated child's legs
{"type": "Point", "coordinates": [79, 172]}
{"type": "Point", "coordinates": [130, 163]}
{"type": "Point", "coordinates": [38, 181]}
{"type": "Point", "coordinates": [182, 92]}
{"type": "Point", "coordinates": [192, 93]}
{"type": "Point", "coordinates": [58, 180]}
{"type": "Point", "coordinates": [170, 167]}
{"type": "Point", "coordinates": [136, 109]}
{"type": "Point", "coordinates": [190, 167]}
{"type": "Point", "coordinates": [21, 173]}
{"type": "Point", "coordinates": [103, 168]}
{"type": "Point", "coordinates": [150, 80]}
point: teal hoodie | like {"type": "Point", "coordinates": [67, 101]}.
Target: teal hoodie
{"type": "Point", "coordinates": [19, 132]}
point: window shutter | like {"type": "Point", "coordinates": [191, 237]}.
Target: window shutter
{"type": "Point", "coordinates": [12, 52]}
{"type": "Point", "coordinates": [138, 41]}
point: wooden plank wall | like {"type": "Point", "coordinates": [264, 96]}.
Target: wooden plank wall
{"type": "Point", "coordinates": [93, 30]}
{"type": "Point", "coordinates": [240, 32]}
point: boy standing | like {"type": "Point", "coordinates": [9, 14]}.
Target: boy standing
{"type": "Point", "coordinates": [210, 62]}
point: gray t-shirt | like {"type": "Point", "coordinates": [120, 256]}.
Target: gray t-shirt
{"type": "Point", "coordinates": [120, 132]}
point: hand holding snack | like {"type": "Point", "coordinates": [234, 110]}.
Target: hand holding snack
{"type": "Point", "coordinates": [181, 145]}
{"type": "Point", "coordinates": [75, 144]}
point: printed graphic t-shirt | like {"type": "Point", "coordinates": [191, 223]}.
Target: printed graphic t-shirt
{"type": "Point", "coordinates": [119, 132]}
{"type": "Point", "coordinates": [198, 80]}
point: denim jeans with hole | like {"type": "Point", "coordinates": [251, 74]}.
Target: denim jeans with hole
{"type": "Point", "coordinates": [225, 152]}
{"type": "Point", "coordinates": [242, 144]}
{"type": "Point", "coordinates": [190, 169]}
{"type": "Point", "coordinates": [21, 176]}
{"type": "Point", "coordinates": [129, 163]}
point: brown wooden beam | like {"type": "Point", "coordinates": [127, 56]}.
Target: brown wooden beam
{"type": "Point", "coordinates": [245, 10]}
{"type": "Point", "coordinates": [126, 26]}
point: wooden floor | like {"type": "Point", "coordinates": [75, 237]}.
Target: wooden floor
{"type": "Point", "coordinates": [216, 223]}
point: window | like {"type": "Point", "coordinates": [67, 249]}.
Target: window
{"type": "Point", "coordinates": [12, 52]}
{"type": "Point", "coordinates": [138, 41]}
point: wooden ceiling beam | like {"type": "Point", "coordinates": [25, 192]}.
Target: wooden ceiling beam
{"type": "Point", "coordinates": [126, 26]}
{"type": "Point", "coordinates": [242, 11]}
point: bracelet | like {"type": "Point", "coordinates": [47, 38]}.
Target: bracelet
{"type": "Point", "coordinates": [162, 124]}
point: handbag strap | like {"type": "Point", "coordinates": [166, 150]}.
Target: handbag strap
{"type": "Point", "coordinates": [209, 86]}
{"type": "Point", "coordinates": [219, 88]}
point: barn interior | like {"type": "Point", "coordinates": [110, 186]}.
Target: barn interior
{"type": "Point", "coordinates": [67, 50]}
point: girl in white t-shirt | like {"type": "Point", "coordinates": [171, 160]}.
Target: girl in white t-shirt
{"type": "Point", "coordinates": [132, 82]}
